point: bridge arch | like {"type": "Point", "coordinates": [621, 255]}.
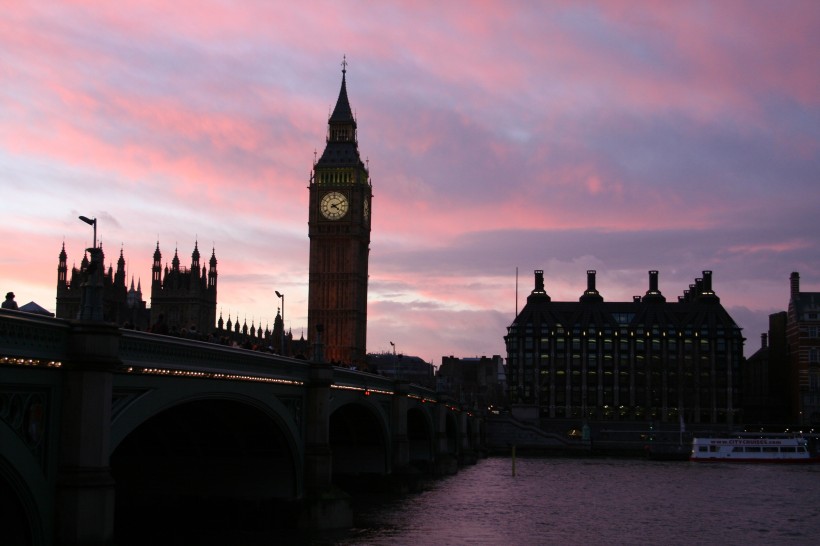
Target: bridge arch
{"type": "Point", "coordinates": [420, 437]}
{"type": "Point", "coordinates": [24, 493]}
{"type": "Point", "coordinates": [218, 462]}
{"type": "Point", "coordinates": [140, 403]}
{"type": "Point", "coordinates": [359, 437]}
{"type": "Point", "coordinates": [451, 434]}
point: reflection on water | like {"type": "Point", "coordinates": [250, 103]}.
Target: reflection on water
{"type": "Point", "coordinates": [601, 501]}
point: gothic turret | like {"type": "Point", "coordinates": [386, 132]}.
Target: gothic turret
{"type": "Point", "coordinates": [195, 257]}
{"type": "Point", "coordinates": [62, 269]}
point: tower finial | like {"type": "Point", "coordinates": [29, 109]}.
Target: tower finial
{"type": "Point", "coordinates": [344, 64]}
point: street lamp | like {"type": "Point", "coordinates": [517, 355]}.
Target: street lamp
{"type": "Point", "coordinates": [91, 222]}
{"type": "Point", "coordinates": [282, 297]}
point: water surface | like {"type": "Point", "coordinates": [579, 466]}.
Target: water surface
{"type": "Point", "coordinates": [602, 501]}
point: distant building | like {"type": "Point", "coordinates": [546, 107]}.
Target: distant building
{"type": "Point", "coordinates": [803, 352]}
{"type": "Point", "coordinates": [767, 398]}
{"type": "Point", "coordinates": [185, 298]}
{"type": "Point", "coordinates": [645, 360]}
{"type": "Point", "coordinates": [231, 333]}
{"type": "Point", "coordinates": [36, 309]}
{"type": "Point", "coordinates": [120, 306]}
{"type": "Point", "coordinates": [477, 382]}
{"type": "Point", "coordinates": [411, 368]}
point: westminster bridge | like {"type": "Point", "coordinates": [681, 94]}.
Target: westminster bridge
{"type": "Point", "coordinates": [107, 432]}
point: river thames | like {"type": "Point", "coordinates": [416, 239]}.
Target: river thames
{"type": "Point", "coordinates": [601, 501]}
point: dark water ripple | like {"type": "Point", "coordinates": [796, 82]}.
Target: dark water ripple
{"type": "Point", "coordinates": [603, 501]}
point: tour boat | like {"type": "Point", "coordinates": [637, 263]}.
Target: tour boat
{"type": "Point", "coordinates": [747, 449]}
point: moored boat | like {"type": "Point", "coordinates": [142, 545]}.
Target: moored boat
{"type": "Point", "coordinates": [746, 449]}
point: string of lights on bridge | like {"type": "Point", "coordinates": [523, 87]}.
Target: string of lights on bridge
{"type": "Point", "coordinates": [14, 361]}
{"type": "Point", "coordinates": [211, 375]}
{"type": "Point", "coordinates": [367, 391]}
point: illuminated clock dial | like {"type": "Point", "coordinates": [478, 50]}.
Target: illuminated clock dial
{"type": "Point", "coordinates": [334, 205]}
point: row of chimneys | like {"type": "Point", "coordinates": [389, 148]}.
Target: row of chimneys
{"type": "Point", "coordinates": [701, 287]}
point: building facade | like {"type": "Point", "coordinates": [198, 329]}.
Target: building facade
{"type": "Point", "coordinates": [406, 367]}
{"type": "Point", "coordinates": [768, 399]}
{"type": "Point", "coordinates": [479, 382]}
{"type": "Point", "coordinates": [121, 305]}
{"type": "Point", "coordinates": [647, 360]}
{"type": "Point", "coordinates": [339, 230]}
{"type": "Point", "coordinates": [183, 299]}
{"type": "Point", "coordinates": [803, 352]}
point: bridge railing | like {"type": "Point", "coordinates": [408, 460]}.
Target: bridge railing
{"type": "Point", "coordinates": [41, 340]}
{"type": "Point", "coordinates": [160, 354]}
{"type": "Point", "coordinates": [30, 336]}
{"type": "Point", "coordinates": [347, 378]}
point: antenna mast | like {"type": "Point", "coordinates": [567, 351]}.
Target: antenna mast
{"type": "Point", "coordinates": [516, 291]}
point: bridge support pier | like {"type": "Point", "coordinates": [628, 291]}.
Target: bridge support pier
{"type": "Point", "coordinates": [446, 462]}
{"type": "Point", "coordinates": [324, 506]}
{"type": "Point", "coordinates": [85, 489]}
{"type": "Point", "coordinates": [466, 455]}
{"type": "Point", "coordinates": [401, 445]}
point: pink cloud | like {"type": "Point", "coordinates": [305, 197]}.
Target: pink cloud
{"type": "Point", "coordinates": [201, 118]}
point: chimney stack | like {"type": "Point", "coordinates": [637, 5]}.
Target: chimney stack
{"type": "Point", "coordinates": [591, 295]}
{"type": "Point", "coordinates": [764, 341]}
{"type": "Point", "coordinates": [795, 285]}
{"type": "Point", "coordinates": [653, 295]}
{"type": "Point", "coordinates": [538, 293]}
{"type": "Point", "coordinates": [707, 282]}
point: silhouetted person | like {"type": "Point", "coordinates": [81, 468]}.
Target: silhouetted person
{"type": "Point", "coordinates": [160, 327]}
{"type": "Point", "coordinates": [10, 303]}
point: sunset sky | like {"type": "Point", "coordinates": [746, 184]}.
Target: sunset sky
{"type": "Point", "coordinates": [563, 136]}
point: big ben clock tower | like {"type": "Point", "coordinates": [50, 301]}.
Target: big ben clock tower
{"type": "Point", "coordinates": [339, 231]}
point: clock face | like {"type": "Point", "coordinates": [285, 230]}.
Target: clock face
{"type": "Point", "coordinates": [334, 205]}
{"type": "Point", "coordinates": [366, 209]}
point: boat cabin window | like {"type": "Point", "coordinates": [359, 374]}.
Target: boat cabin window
{"type": "Point", "coordinates": [801, 449]}
{"type": "Point", "coordinates": [752, 450]}
{"type": "Point", "coordinates": [714, 449]}
{"type": "Point", "coordinates": [769, 449]}
{"type": "Point", "coordinates": [788, 449]}
{"type": "Point", "coordinates": [703, 449]}
{"type": "Point", "coordinates": [737, 449]}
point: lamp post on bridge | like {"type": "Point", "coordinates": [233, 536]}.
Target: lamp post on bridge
{"type": "Point", "coordinates": [91, 295]}
{"type": "Point", "coordinates": [91, 222]}
{"type": "Point", "coordinates": [282, 297]}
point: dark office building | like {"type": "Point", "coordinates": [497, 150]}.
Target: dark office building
{"type": "Point", "coordinates": [410, 368]}
{"type": "Point", "coordinates": [644, 360]}
{"type": "Point", "coordinates": [477, 382]}
{"type": "Point", "coordinates": [803, 353]}
{"type": "Point", "coordinates": [767, 397]}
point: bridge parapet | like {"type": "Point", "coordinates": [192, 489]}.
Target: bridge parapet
{"type": "Point", "coordinates": [344, 378]}
{"type": "Point", "coordinates": [165, 355]}
{"type": "Point", "coordinates": [25, 335]}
